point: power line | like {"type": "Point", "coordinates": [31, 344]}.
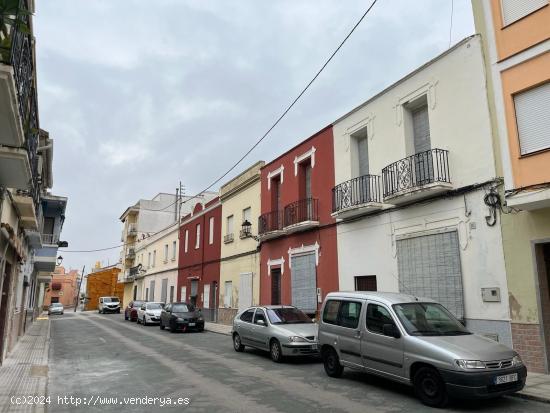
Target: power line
{"type": "Point", "coordinates": [277, 121]}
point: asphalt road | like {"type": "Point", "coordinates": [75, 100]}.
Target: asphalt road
{"type": "Point", "coordinates": [102, 357]}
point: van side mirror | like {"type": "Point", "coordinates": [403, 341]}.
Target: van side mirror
{"type": "Point", "coordinates": [391, 330]}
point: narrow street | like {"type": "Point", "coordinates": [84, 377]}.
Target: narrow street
{"type": "Point", "coordinates": [103, 356]}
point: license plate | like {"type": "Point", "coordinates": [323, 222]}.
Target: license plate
{"type": "Point", "coordinates": [508, 378]}
{"type": "Point", "coordinates": [191, 324]}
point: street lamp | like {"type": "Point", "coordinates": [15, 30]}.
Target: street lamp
{"type": "Point", "coordinates": [59, 260]}
{"type": "Point", "coordinates": [246, 231]}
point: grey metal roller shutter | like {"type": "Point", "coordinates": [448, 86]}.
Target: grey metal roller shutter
{"type": "Point", "coordinates": [164, 290]}
{"type": "Point", "coordinates": [303, 282]}
{"type": "Point", "coordinates": [513, 10]}
{"type": "Point", "coordinates": [533, 119]}
{"type": "Point", "coordinates": [152, 290]}
{"type": "Point", "coordinates": [429, 266]}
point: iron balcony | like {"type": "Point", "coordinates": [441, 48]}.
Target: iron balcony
{"type": "Point", "coordinates": [356, 197]}
{"type": "Point", "coordinates": [301, 215]}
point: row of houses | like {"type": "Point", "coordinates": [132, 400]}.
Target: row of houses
{"type": "Point", "coordinates": [438, 186]}
{"type": "Point", "coordinates": [31, 217]}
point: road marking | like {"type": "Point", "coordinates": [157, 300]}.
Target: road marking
{"type": "Point", "coordinates": [103, 340]}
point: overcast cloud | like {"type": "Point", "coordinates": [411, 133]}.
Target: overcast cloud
{"type": "Point", "coordinates": [138, 95]}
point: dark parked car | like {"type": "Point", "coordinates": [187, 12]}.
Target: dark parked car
{"type": "Point", "coordinates": [130, 312]}
{"type": "Point", "coordinates": [181, 316]}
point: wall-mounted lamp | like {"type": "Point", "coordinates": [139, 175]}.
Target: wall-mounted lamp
{"type": "Point", "coordinates": [59, 260]}
{"type": "Point", "coordinates": [246, 231]}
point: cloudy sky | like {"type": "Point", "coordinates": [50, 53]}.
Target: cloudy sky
{"type": "Point", "coordinates": [139, 95]}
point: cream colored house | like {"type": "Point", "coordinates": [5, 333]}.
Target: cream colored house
{"type": "Point", "coordinates": [240, 257]}
{"type": "Point", "coordinates": [157, 260]}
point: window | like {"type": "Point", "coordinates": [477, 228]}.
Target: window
{"type": "Point", "coordinates": [198, 236]}
{"type": "Point", "coordinates": [146, 298]}
{"type": "Point", "coordinates": [247, 214]}
{"type": "Point", "coordinates": [330, 313]}
{"type": "Point", "coordinates": [186, 240]}
{"type": "Point", "coordinates": [377, 316]}
{"type": "Point", "coordinates": [174, 250]}
{"type": "Point", "coordinates": [350, 311]}
{"type": "Point", "coordinates": [148, 260]}
{"type": "Point", "coordinates": [154, 257]}
{"type": "Point", "coordinates": [247, 315]}
{"type": "Point", "coordinates": [260, 315]}
{"type": "Point", "coordinates": [365, 283]}
{"type": "Point", "coordinates": [165, 252]}
{"type": "Point", "coordinates": [361, 144]}
{"type": "Point", "coordinates": [513, 10]}
{"type": "Point", "coordinates": [229, 229]}
{"type": "Point", "coordinates": [228, 297]}
{"type": "Point", "coordinates": [211, 231]}
{"type": "Point", "coordinates": [152, 290]}
{"type": "Point", "coordinates": [171, 293]}
{"type": "Point", "coordinates": [532, 109]}
{"type": "Point", "coordinates": [421, 128]}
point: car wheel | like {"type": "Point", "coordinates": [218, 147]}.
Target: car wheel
{"type": "Point", "coordinates": [430, 387]}
{"type": "Point", "coordinates": [144, 321]}
{"type": "Point", "coordinates": [331, 361]}
{"type": "Point", "coordinates": [62, 313]}
{"type": "Point", "coordinates": [275, 351]}
{"type": "Point", "coordinates": [237, 345]}
{"type": "Point", "coordinates": [161, 325]}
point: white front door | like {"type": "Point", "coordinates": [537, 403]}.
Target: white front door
{"type": "Point", "coordinates": [245, 291]}
{"type": "Point", "coordinates": [206, 296]}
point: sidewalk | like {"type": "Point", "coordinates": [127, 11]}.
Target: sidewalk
{"type": "Point", "coordinates": [537, 388]}
{"type": "Point", "coordinates": [25, 370]}
{"type": "Point", "coordinates": [218, 328]}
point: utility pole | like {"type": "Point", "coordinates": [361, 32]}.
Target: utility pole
{"type": "Point", "coordinates": [79, 285]}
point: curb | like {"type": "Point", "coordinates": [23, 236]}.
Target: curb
{"type": "Point", "coordinates": [217, 331]}
{"type": "Point", "coordinates": [532, 397]}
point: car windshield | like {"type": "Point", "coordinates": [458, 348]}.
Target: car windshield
{"type": "Point", "coordinates": [182, 308]}
{"type": "Point", "coordinates": [138, 303]}
{"type": "Point", "coordinates": [287, 315]}
{"type": "Point", "coordinates": [429, 319]}
{"type": "Point", "coordinates": [57, 305]}
{"type": "Point", "coordinates": [111, 300]}
{"type": "Point", "coordinates": [154, 306]}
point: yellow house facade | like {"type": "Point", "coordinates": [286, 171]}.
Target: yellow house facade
{"type": "Point", "coordinates": [240, 256]}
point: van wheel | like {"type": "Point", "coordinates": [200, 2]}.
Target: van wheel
{"type": "Point", "coordinates": [275, 351]}
{"type": "Point", "coordinates": [237, 344]}
{"type": "Point", "coordinates": [331, 361]}
{"type": "Point", "coordinates": [430, 387]}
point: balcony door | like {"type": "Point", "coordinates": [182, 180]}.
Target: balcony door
{"type": "Point", "coordinates": [275, 286]}
{"type": "Point", "coordinates": [423, 164]}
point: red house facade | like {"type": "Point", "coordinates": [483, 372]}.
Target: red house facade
{"type": "Point", "coordinates": [299, 263]}
{"type": "Point", "coordinates": [199, 257]}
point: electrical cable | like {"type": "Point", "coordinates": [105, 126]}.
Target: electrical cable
{"type": "Point", "coordinates": [277, 121]}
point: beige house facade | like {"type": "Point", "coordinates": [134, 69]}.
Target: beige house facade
{"type": "Point", "coordinates": [240, 256]}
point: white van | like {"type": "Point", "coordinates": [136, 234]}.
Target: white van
{"type": "Point", "coordinates": [108, 305]}
{"type": "Point", "coordinates": [415, 341]}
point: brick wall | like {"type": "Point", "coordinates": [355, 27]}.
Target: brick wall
{"type": "Point", "coordinates": [528, 343]}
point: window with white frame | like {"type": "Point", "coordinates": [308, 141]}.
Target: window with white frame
{"type": "Point", "coordinates": [513, 10]}
{"type": "Point", "coordinates": [186, 240]}
{"type": "Point", "coordinates": [211, 231]}
{"type": "Point", "coordinates": [154, 257]}
{"type": "Point", "coordinates": [174, 250]}
{"type": "Point", "coordinates": [229, 228]}
{"type": "Point", "coordinates": [228, 296]}
{"type": "Point", "coordinates": [198, 237]}
{"type": "Point", "coordinates": [247, 214]}
{"type": "Point", "coordinates": [165, 252]}
{"type": "Point", "coordinates": [532, 118]}
{"type": "Point", "coordinates": [148, 260]}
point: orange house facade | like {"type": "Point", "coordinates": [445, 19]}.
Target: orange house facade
{"type": "Point", "coordinates": [516, 40]}
{"type": "Point", "coordinates": [63, 288]}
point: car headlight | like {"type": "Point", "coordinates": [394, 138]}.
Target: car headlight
{"type": "Point", "coordinates": [517, 361]}
{"type": "Point", "coordinates": [179, 319]}
{"type": "Point", "coordinates": [200, 318]}
{"type": "Point", "coordinates": [297, 339]}
{"type": "Point", "coordinates": [150, 314]}
{"type": "Point", "coordinates": [470, 364]}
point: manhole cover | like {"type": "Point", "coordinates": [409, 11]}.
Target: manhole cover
{"type": "Point", "coordinates": [39, 371]}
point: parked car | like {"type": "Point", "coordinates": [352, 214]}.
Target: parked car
{"type": "Point", "coordinates": [181, 316]}
{"type": "Point", "coordinates": [108, 305]}
{"type": "Point", "coordinates": [55, 308]}
{"type": "Point", "coordinates": [281, 330]}
{"type": "Point", "coordinates": [415, 341]}
{"type": "Point", "coordinates": [149, 313]}
{"type": "Point", "coordinates": [131, 310]}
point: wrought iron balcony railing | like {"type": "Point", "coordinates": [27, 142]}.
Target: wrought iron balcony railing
{"type": "Point", "coordinates": [227, 238]}
{"type": "Point", "coordinates": [356, 191]}
{"type": "Point", "coordinates": [50, 239]}
{"type": "Point", "coordinates": [416, 171]}
{"type": "Point", "coordinates": [269, 222]}
{"type": "Point", "coordinates": [301, 211]}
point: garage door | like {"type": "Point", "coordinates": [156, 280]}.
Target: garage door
{"type": "Point", "coordinates": [429, 266]}
{"type": "Point", "coordinates": [303, 282]}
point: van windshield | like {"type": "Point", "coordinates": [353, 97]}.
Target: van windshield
{"type": "Point", "coordinates": [429, 319]}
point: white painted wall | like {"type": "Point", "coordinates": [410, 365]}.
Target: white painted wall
{"type": "Point", "coordinates": [458, 115]}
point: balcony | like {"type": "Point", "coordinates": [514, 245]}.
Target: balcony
{"type": "Point", "coordinates": [358, 196]}
{"type": "Point", "coordinates": [270, 225]}
{"type": "Point", "coordinates": [50, 239]}
{"type": "Point", "coordinates": [301, 215]}
{"type": "Point", "coordinates": [132, 230]}
{"type": "Point", "coordinates": [419, 176]}
{"type": "Point", "coordinates": [228, 238]}
{"type": "Point", "coordinates": [130, 253]}
{"type": "Point", "coordinates": [26, 209]}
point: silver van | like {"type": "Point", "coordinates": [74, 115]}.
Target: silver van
{"type": "Point", "coordinates": [415, 341]}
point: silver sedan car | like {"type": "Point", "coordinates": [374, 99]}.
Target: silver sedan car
{"type": "Point", "coordinates": [281, 330]}
{"type": "Point", "coordinates": [55, 308]}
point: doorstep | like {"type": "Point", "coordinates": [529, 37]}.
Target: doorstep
{"type": "Point", "coordinates": [536, 388]}
{"type": "Point", "coordinates": [218, 328]}
{"type": "Point", "coordinates": [25, 369]}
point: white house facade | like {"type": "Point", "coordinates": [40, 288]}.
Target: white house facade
{"type": "Point", "coordinates": [413, 195]}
